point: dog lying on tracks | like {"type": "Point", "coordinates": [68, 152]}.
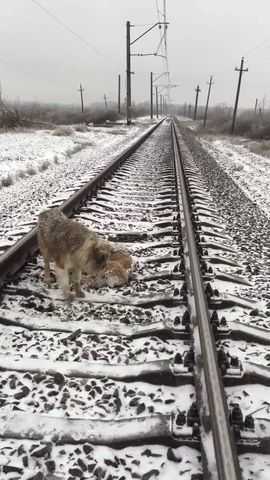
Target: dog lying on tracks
{"type": "Point", "coordinates": [72, 247]}
{"type": "Point", "coordinates": [115, 272]}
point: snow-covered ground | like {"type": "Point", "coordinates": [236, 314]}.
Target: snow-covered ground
{"type": "Point", "coordinates": [147, 462]}
{"type": "Point", "coordinates": [250, 171]}
{"type": "Point", "coordinates": [69, 160]}
{"type": "Point", "coordinates": [21, 151]}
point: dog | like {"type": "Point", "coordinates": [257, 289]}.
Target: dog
{"type": "Point", "coordinates": [115, 272]}
{"type": "Point", "coordinates": [72, 247]}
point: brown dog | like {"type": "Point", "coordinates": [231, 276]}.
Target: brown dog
{"type": "Point", "coordinates": [115, 272]}
{"type": "Point", "coordinates": [72, 247]}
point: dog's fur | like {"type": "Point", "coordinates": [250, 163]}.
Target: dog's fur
{"type": "Point", "coordinates": [72, 247]}
{"type": "Point", "coordinates": [115, 272]}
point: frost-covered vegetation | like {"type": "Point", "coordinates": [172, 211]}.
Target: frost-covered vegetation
{"type": "Point", "coordinates": [219, 120]}
{"type": "Point", "coordinates": [18, 115]}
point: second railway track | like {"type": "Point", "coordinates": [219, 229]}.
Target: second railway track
{"type": "Point", "coordinates": [126, 383]}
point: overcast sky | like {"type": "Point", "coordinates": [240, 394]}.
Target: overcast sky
{"type": "Point", "coordinates": [42, 61]}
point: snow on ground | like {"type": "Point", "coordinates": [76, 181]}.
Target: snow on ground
{"type": "Point", "coordinates": [147, 462]}
{"type": "Point", "coordinates": [250, 171]}
{"type": "Point", "coordinates": [255, 466]}
{"type": "Point", "coordinates": [28, 195]}
{"type": "Point", "coordinates": [20, 152]}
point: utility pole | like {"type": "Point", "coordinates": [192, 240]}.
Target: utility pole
{"type": "Point", "coordinates": [119, 93]}
{"type": "Point", "coordinates": [210, 83]}
{"type": "Point", "coordinates": [156, 101]}
{"type": "Point", "coordinates": [151, 95]}
{"type": "Point", "coordinates": [240, 70]}
{"type": "Point", "coordinates": [81, 90]}
{"type": "Point", "coordinates": [185, 110]}
{"type": "Point", "coordinates": [160, 105]}
{"type": "Point", "coordinates": [128, 76]}
{"type": "Point", "coordinates": [256, 106]}
{"type": "Point", "coordinates": [196, 102]}
{"type": "Point", "coordinates": [105, 101]}
{"type": "Point", "coordinates": [263, 103]}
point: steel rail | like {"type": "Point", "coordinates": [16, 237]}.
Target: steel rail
{"type": "Point", "coordinates": [16, 256]}
{"type": "Point", "coordinates": [214, 416]}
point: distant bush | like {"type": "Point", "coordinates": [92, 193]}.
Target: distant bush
{"type": "Point", "coordinates": [248, 124]}
{"type": "Point", "coordinates": [81, 128]}
{"type": "Point", "coordinates": [260, 147]}
{"type": "Point", "coordinates": [7, 181]}
{"type": "Point", "coordinates": [102, 116]}
{"type": "Point", "coordinates": [21, 174]}
{"type": "Point", "coordinates": [9, 119]}
{"type": "Point", "coordinates": [44, 166]}
{"type": "Point", "coordinates": [30, 170]}
{"type": "Point", "coordinates": [218, 120]}
{"type": "Point", "coordinates": [63, 131]}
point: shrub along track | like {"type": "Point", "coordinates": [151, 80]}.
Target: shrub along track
{"type": "Point", "coordinates": [104, 387]}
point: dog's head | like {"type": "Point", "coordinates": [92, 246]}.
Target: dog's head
{"type": "Point", "coordinates": [99, 253]}
{"type": "Point", "coordinates": [102, 252]}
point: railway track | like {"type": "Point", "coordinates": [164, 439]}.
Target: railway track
{"type": "Point", "coordinates": [131, 382]}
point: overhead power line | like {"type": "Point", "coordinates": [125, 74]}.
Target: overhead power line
{"type": "Point", "coordinates": [66, 27]}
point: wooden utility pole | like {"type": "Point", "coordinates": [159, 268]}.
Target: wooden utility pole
{"type": "Point", "coordinates": [240, 70]}
{"type": "Point", "coordinates": [256, 106]}
{"type": "Point", "coordinates": [128, 76]}
{"type": "Point", "coordinates": [196, 102]}
{"type": "Point", "coordinates": [119, 93]}
{"type": "Point", "coordinates": [210, 83]}
{"type": "Point", "coordinates": [81, 90]}
{"type": "Point", "coordinates": [156, 101]}
{"type": "Point", "coordinates": [151, 95]}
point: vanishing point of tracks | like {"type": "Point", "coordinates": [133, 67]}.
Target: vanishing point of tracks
{"type": "Point", "coordinates": [128, 383]}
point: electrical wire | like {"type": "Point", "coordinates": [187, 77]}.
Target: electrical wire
{"type": "Point", "coordinates": [66, 27]}
{"type": "Point", "coordinates": [141, 25]}
{"type": "Point", "coordinates": [160, 43]}
{"type": "Point", "coordinates": [264, 44]}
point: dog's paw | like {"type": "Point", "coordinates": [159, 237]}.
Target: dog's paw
{"type": "Point", "coordinates": [80, 294]}
{"type": "Point", "coordinates": [69, 297]}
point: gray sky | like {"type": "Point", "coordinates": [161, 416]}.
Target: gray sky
{"type": "Point", "coordinates": [41, 61]}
